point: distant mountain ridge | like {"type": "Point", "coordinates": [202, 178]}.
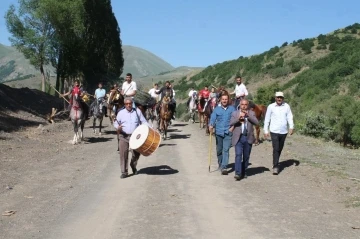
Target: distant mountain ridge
{"type": "Point", "coordinates": [139, 62]}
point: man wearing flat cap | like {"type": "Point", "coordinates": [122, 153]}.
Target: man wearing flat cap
{"type": "Point", "coordinates": [278, 116]}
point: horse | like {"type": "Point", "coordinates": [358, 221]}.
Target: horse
{"type": "Point", "coordinates": [209, 108]}
{"type": "Point", "coordinates": [77, 118]}
{"type": "Point", "coordinates": [98, 113]}
{"type": "Point", "coordinates": [165, 115]}
{"type": "Point", "coordinates": [260, 112]}
{"type": "Point", "coordinates": [192, 107]}
{"type": "Point", "coordinates": [150, 114]}
{"type": "Point", "coordinates": [201, 113]}
{"type": "Point", "coordinates": [115, 103]}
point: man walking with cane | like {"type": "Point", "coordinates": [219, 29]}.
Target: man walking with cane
{"type": "Point", "coordinates": [220, 118]}
{"type": "Point", "coordinates": [278, 115]}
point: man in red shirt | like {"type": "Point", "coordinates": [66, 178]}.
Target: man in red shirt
{"type": "Point", "coordinates": [204, 94]}
{"type": "Point", "coordinates": [77, 90]}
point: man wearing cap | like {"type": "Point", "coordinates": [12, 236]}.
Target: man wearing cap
{"type": "Point", "coordinates": [278, 115]}
{"type": "Point", "coordinates": [127, 120]}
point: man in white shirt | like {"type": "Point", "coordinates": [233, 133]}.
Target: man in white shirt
{"type": "Point", "coordinates": [278, 115]}
{"type": "Point", "coordinates": [191, 92]}
{"type": "Point", "coordinates": [128, 88]}
{"type": "Point", "coordinates": [240, 91]}
{"type": "Point", "coordinates": [99, 93]}
{"type": "Point", "coordinates": [152, 92]}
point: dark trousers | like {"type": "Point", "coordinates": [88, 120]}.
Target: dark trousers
{"type": "Point", "coordinates": [124, 154]}
{"type": "Point", "coordinates": [278, 141]}
{"type": "Point", "coordinates": [242, 155]}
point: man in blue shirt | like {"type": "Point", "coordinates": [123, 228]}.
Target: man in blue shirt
{"type": "Point", "coordinates": [99, 93]}
{"type": "Point", "coordinates": [127, 120]}
{"type": "Point", "coordinates": [220, 118]}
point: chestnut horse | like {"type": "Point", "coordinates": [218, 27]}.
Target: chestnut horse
{"type": "Point", "coordinates": [260, 112]}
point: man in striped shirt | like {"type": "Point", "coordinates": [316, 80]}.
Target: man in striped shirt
{"type": "Point", "coordinates": [279, 116]}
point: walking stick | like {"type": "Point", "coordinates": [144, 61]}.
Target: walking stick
{"type": "Point", "coordinates": [210, 144]}
{"type": "Point", "coordinates": [59, 93]}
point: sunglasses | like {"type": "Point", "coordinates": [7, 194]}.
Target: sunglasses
{"type": "Point", "coordinates": [128, 104]}
{"type": "Point", "coordinates": [279, 97]}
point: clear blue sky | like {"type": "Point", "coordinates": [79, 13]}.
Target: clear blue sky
{"type": "Point", "coordinates": [205, 32]}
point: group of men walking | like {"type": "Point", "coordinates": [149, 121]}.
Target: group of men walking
{"type": "Point", "coordinates": [234, 127]}
{"type": "Point", "coordinates": [233, 124]}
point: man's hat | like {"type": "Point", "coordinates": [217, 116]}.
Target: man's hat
{"type": "Point", "coordinates": [279, 94]}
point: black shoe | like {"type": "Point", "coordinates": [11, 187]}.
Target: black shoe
{"type": "Point", "coordinates": [123, 175]}
{"type": "Point", "coordinates": [237, 177]}
{"type": "Point", "coordinates": [224, 171]}
{"type": "Point", "coordinates": [133, 168]}
{"type": "Point", "coordinates": [275, 171]}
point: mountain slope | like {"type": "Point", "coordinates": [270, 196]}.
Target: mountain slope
{"type": "Point", "coordinates": [140, 62]}
{"type": "Point", "coordinates": [14, 67]}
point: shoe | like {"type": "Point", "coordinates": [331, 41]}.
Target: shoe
{"type": "Point", "coordinates": [133, 168]}
{"type": "Point", "coordinates": [275, 171]}
{"type": "Point", "coordinates": [237, 177]}
{"type": "Point", "coordinates": [224, 171]}
{"type": "Point", "coordinates": [123, 175]}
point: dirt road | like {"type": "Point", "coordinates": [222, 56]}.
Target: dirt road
{"type": "Point", "coordinates": [66, 191]}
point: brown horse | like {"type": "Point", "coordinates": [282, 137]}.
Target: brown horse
{"type": "Point", "coordinates": [165, 115]}
{"type": "Point", "coordinates": [203, 120]}
{"type": "Point", "coordinates": [260, 112]}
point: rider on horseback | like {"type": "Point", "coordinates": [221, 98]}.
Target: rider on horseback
{"type": "Point", "coordinates": [167, 90]}
{"type": "Point", "coordinates": [240, 91]}
{"type": "Point", "coordinates": [99, 93]}
{"type": "Point", "coordinates": [191, 93]}
{"type": "Point", "coordinates": [204, 94]}
{"type": "Point", "coordinates": [76, 89]}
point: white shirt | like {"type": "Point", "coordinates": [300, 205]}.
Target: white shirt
{"type": "Point", "coordinates": [100, 93]}
{"type": "Point", "coordinates": [278, 116]}
{"type": "Point", "coordinates": [152, 93]}
{"type": "Point", "coordinates": [129, 88]}
{"type": "Point", "coordinates": [173, 94]}
{"type": "Point", "coordinates": [240, 90]}
{"type": "Point", "coordinates": [191, 93]}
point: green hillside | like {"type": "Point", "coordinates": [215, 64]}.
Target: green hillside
{"type": "Point", "coordinates": [320, 77]}
{"type": "Point", "coordinates": [15, 68]}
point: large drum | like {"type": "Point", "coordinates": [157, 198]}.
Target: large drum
{"type": "Point", "coordinates": [145, 140]}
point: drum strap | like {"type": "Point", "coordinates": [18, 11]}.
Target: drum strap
{"type": "Point", "coordinates": [138, 117]}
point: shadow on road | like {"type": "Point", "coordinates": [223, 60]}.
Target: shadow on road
{"type": "Point", "coordinates": [179, 136]}
{"type": "Point", "coordinates": [161, 145]}
{"type": "Point", "coordinates": [158, 170]}
{"type": "Point", "coordinates": [179, 125]}
{"type": "Point", "coordinates": [288, 163]}
{"type": "Point", "coordinates": [256, 170]}
{"type": "Point", "coordinates": [110, 132]}
{"type": "Point", "coordinates": [97, 140]}
{"type": "Point", "coordinates": [173, 130]}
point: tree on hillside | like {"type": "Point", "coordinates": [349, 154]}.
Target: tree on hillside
{"type": "Point", "coordinates": [31, 33]}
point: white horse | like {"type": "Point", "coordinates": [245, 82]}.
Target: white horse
{"type": "Point", "coordinates": [98, 113]}
{"type": "Point", "coordinates": [192, 107]}
{"type": "Point", "coordinates": [77, 118]}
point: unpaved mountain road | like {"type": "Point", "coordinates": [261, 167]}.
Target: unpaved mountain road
{"type": "Point", "coordinates": [63, 191]}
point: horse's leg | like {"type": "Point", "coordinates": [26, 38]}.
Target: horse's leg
{"type": "Point", "coordinates": [100, 124]}
{"type": "Point", "coordinates": [257, 142]}
{"type": "Point", "coordinates": [94, 124]}
{"type": "Point", "coordinates": [82, 130]}
{"type": "Point", "coordinates": [76, 128]}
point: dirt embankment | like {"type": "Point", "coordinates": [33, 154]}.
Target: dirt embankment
{"type": "Point", "coordinates": [25, 107]}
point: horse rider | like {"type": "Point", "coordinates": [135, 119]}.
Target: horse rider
{"type": "Point", "coordinates": [129, 88]}
{"type": "Point", "coordinates": [99, 93]}
{"type": "Point", "coordinates": [152, 92]}
{"type": "Point", "coordinates": [127, 120]}
{"type": "Point", "coordinates": [240, 91]}
{"type": "Point", "coordinates": [205, 93]}
{"type": "Point", "coordinates": [77, 88]}
{"type": "Point", "coordinates": [163, 91]}
{"type": "Point", "coordinates": [191, 93]}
